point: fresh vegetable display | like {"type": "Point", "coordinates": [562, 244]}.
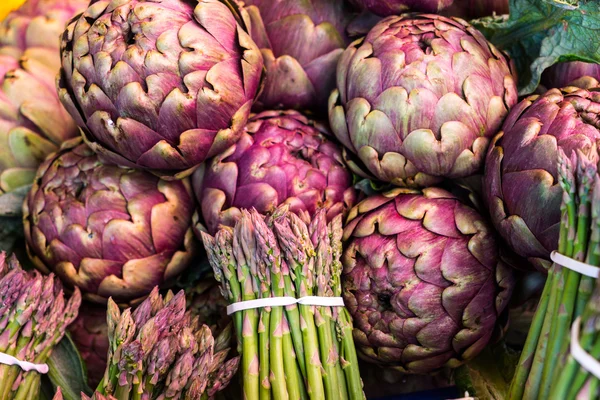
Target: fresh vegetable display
{"type": "Point", "coordinates": [282, 158]}
{"type": "Point", "coordinates": [522, 187]}
{"type": "Point", "coordinates": [419, 99]}
{"type": "Point", "coordinates": [422, 279]}
{"type": "Point", "coordinates": [302, 351]}
{"type": "Point", "coordinates": [112, 232]}
{"type": "Point", "coordinates": [299, 199]}
{"type": "Point", "coordinates": [35, 316]}
{"type": "Point", "coordinates": [159, 85]}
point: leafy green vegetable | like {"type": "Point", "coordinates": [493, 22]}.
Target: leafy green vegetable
{"type": "Point", "coordinates": [540, 33]}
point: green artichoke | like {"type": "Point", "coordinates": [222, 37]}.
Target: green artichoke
{"type": "Point", "coordinates": [521, 186]}
{"type": "Point", "coordinates": [422, 279]}
{"type": "Point", "coordinates": [281, 158]}
{"type": "Point", "coordinates": [301, 42]}
{"type": "Point", "coordinates": [160, 85]}
{"type": "Point", "coordinates": [90, 335]}
{"type": "Point", "coordinates": [33, 123]}
{"type": "Point", "coordinates": [110, 231]}
{"type": "Point", "coordinates": [419, 99]}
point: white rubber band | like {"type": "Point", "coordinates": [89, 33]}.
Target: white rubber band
{"type": "Point", "coordinates": [574, 265]}
{"type": "Point", "coordinates": [24, 365]}
{"type": "Point", "coordinates": [584, 359]}
{"type": "Point", "coordinates": [285, 301]}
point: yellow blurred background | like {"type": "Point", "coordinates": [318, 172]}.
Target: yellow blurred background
{"type": "Point", "coordinates": [7, 6]}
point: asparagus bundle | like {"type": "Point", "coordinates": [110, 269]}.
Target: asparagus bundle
{"type": "Point", "coordinates": [574, 381]}
{"type": "Point", "coordinates": [34, 316]}
{"type": "Point", "coordinates": [160, 351]}
{"type": "Point", "coordinates": [566, 292]}
{"type": "Point", "coordinates": [298, 351]}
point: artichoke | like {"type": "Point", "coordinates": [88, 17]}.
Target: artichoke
{"type": "Point", "coordinates": [394, 7]}
{"type": "Point", "coordinates": [160, 85]}
{"type": "Point", "coordinates": [90, 334]}
{"type": "Point", "coordinates": [33, 123]}
{"type": "Point", "coordinates": [419, 98]}
{"type": "Point", "coordinates": [470, 9]}
{"type": "Point", "coordinates": [575, 73]}
{"type": "Point", "coordinates": [423, 280]}
{"type": "Point", "coordinates": [110, 231]}
{"type": "Point", "coordinates": [281, 158]}
{"type": "Point", "coordinates": [301, 43]}
{"type": "Point", "coordinates": [521, 187]}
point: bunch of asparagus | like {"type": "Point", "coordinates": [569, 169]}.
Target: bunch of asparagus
{"type": "Point", "coordinates": [296, 351]}
{"type": "Point", "coordinates": [574, 381]}
{"type": "Point", "coordinates": [161, 351]}
{"type": "Point", "coordinates": [566, 292]}
{"type": "Point", "coordinates": [34, 316]}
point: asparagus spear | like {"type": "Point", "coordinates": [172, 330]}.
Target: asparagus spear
{"type": "Point", "coordinates": [294, 240]}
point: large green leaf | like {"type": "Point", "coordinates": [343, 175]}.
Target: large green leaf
{"type": "Point", "coordinates": [67, 370]}
{"type": "Point", "coordinates": [540, 33]}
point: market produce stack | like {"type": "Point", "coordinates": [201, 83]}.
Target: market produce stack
{"type": "Point", "coordinates": [202, 128]}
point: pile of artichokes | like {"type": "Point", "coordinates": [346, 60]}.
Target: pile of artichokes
{"type": "Point", "coordinates": [300, 148]}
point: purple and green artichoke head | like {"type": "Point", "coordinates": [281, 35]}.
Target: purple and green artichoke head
{"type": "Point", "coordinates": [386, 8]}
{"type": "Point", "coordinates": [282, 158]}
{"type": "Point", "coordinates": [422, 279]}
{"type": "Point", "coordinates": [521, 185]}
{"type": "Point", "coordinates": [33, 122]}
{"type": "Point", "coordinates": [575, 73]}
{"type": "Point", "coordinates": [160, 85]}
{"type": "Point", "coordinates": [470, 9]}
{"type": "Point", "coordinates": [108, 230]}
{"type": "Point", "coordinates": [419, 99]}
{"type": "Point", "coordinates": [301, 43]}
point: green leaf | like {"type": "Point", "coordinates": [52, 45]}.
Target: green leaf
{"type": "Point", "coordinates": [67, 370]}
{"type": "Point", "coordinates": [12, 202]}
{"type": "Point", "coordinates": [540, 33]}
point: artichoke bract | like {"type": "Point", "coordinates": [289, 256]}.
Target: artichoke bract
{"type": "Point", "coordinates": [33, 122]}
{"type": "Point", "coordinates": [419, 99]}
{"type": "Point", "coordinates": [110, 231]}
{"type": "Point", "coordinates": [575, 73]}
{"type": "Point", "coordinates": [521, 187]}
{"type": "Point", "coordinates": [301, 42]}
{"type": "Point", "coordinates": [422, 279]}
{"type": "Point", "coordinates": [385, 8]}
{"type": "Point", "coordinates": [159, 85]}
{"type": "Point", "coordinates": [282, 158]}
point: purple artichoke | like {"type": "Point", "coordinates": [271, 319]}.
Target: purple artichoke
{"type": "Point", "coordinates": [90, 334]}
{"type": "Point", "coordinates": [301, 43]}
{"type": "Point", "coordinates": [282, 158]}
{"type": "Point", "coordinates": [396, 7]}
{"type": "Point", "coordinates": [110, 231]}
{"type": "Point", "coordinates": [423, 280]}
{"type": "Point", "coordinates": [419, 99]}
{"type": "Point", "coordinates": [576, 73]}
{"type": "Point", "coordinates": [33, 122]}
{"type": "Point", "coordinates": [470, 9]}
{"type": "Point", "coordinates": [160, 85]}
{"type": "Point", "coordinates": [520, 183]}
